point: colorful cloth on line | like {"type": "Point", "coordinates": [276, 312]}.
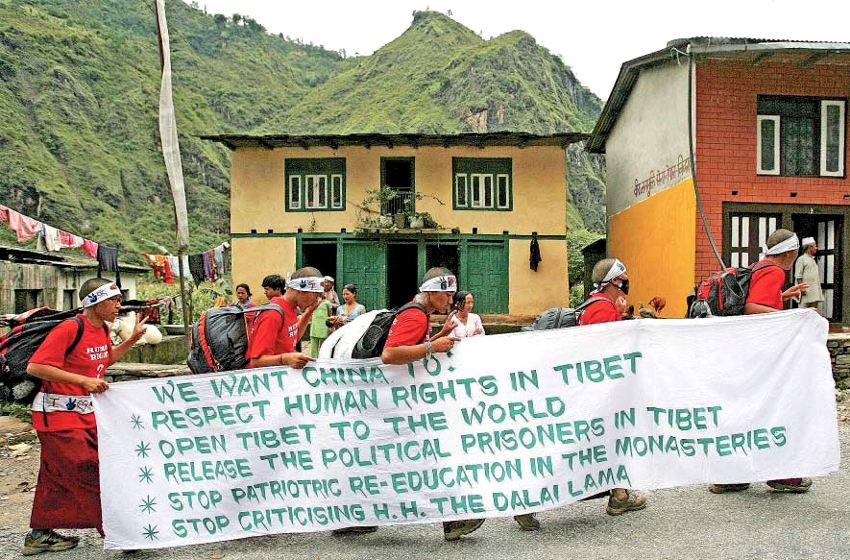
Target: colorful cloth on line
{"type": "Point", "coordinates": [57, 239]}
{"type": "Point", "coordinates": [25, 228]}
{"type": "Point", "coordinates": [196, 267]}
{"type": "Point", "coordinates": [161, 267]}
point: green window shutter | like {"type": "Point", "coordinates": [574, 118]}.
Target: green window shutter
{"type": "Point", "coordinates": [314, 184]}
{"type": "Point", "coordinates": [482, 183]}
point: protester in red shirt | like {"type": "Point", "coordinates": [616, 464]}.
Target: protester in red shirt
{"type": "Point", "coordinates": [612, 286]}
{"type": "Point", "coordinates": [766, 296]}
{"type": "Point", "coordinates": [68, 491]}
{"type": "Point", "coordinates": [272, 339]}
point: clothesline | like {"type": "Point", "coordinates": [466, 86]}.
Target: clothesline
{"type": "Point", "coordinates": [208, 265]}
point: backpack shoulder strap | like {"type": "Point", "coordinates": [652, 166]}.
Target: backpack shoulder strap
{"type": "Point", "coordinates": [592, 300]}
{"type": "Point", "coordinates": [411, 305]}
{"type": "Point", "coordinates": [79, 335]}
{"type": "Point", "coordinates": [762, 265]}
{"type": "Point", "coordinates": [265, 307]}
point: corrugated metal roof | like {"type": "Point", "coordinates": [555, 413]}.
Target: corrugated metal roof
{"type": "Point", "coordinates": [630, 70]}
{"type": "Point", "coordinates": [21, 255]}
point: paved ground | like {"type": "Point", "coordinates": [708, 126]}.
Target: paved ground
{"type": "Point", "coordinates": [680, 523]}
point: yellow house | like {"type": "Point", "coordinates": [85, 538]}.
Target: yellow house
{"type": "Point", "coordinates": [311, 200]}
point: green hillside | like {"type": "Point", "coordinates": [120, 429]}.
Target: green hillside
{"type": "Point", "coordinates": [79, 88]}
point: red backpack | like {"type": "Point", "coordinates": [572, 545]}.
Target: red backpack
{"type": "Point", "coordinates": [724, 294]}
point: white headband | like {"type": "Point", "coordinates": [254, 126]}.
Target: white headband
{"type": "Point", "coordinates": [616, 269]}
{"type": "Point", "coordinates": [103, 293]}
{"type": "Point", "coordinates": [790, 244]}
{"type": "Point", "coordinates": [439, 284]}
{"type": "Point", "coordinates": [307, 284]}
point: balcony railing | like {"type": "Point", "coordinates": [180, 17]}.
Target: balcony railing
{"type": "Point", "coordinates": [405, 201]}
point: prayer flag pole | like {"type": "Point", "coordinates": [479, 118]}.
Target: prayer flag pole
{"type": "Point", "coordinates": [171, 154]}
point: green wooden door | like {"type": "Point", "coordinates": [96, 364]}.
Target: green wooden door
{"type": "Point", "coordinates": [364, 263]}
{"type": "Point", "coordinates": [485, 274]}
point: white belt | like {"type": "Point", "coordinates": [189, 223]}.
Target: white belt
{"type": "Point", "coordinates": [51, 402]}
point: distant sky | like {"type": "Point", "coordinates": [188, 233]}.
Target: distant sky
{"type": "Point", "coordinates": [593, 37]}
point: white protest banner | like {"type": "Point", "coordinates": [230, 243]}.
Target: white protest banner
{"type": "Point", "coordinates": [502, 425]}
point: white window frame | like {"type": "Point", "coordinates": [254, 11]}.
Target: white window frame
{"type": "Point", "coordinates": [777, 164]}
{"type": "Point", "coordinates": [320, 192]}
{"type": "Point", "coordinates": [337, 192]}
{"type": "Point", "coordinates": [295, 192]}
{"type": "Point", "coordinates": [507, 179]}
{"type": "Point", "coordinates": [476, 190]}
{"type": "Point", "coordinates": [824, 104]}
{"type": "Point", "coordinates": [458, 178]}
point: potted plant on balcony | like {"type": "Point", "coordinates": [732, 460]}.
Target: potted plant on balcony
{"type": "Point", "coordinates": [370, 210]}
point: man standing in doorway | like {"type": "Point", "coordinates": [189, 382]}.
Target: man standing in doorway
{"type": "Point", "coordinates": [806, 272]}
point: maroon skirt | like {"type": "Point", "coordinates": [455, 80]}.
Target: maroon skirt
{"type": "Point", "coordinates": [68, 492]}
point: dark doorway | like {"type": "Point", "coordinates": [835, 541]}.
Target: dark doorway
{"type": "Point", "coordinates": [399, 174]}
{"type": "Point", "coordinates": [321, 256]}
{"type": "Point", "coordinates": [402, 273]}
{"type": "Point", "coordinates": [445, 255]}
{"type": "Point", "coordinates": [828, 232]}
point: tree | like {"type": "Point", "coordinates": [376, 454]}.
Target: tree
{"type": "Point", "coordinates": [220, 20]}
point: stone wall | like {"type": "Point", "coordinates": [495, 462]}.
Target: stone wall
{"type": "Point", "coordinates": [839, 351]}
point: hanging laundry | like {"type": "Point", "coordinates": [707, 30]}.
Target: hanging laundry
{"type": "Point", "coordinates": [161, 267]}
{"type": "Point", "coordinates": [219, 259]}
{"type": "Point", "coordinates": [51, 237]}
{"type": "Point", "coordinates": [90, 247]}
{"type": "Point", "coordinates": [196, 267]}
{"type": "Point", "coordinates": [213, 276]}
{"type": "Point", "coordinates": [107, 260]}
{"type": "Point", "coordinates": [69, 240]}
{"type": "Point", "coordinates": [534, 258]}
{"type": "Point", "coordinates": [175, 265]}
{"type": "Point", "coordinates": [25, 228]}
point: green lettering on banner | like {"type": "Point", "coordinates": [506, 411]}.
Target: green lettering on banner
{"type": "Point", "coordinates": [194, 499]}
{"type": "Point", "coordinates": [299, 434]}
{"type": "Point", "coordinates": [521, 380]}
{"type": "Point", "coordinates": [201, 471]}
{"type": "Point", "coordinates": [381, 511]}
{"type": "Point", "coordinates": [199, 417]}
{"type": "Point", "coordinates": [518, 500]}
{"type": "Point", "coordinates": [431, 421]}
{"type": "Point", "coordinates": [385, 453]}
{"type": "Point", "coordinates": [368, 485]}
{"type": "Point", "coordinates": [541, 466]}
{"type": "Point", "coordinates": [685, 419]}
{"type": "Point", "coordinates": [410, 510]}
{"type": "Point", "coordinates": [200, 526]}
{"type": "Point", "coordinates": [296, 459]}
{"type": "Point", "coordinates": [593, 483]}
{"type": "Point", "coordinates": [778, 433]}
{"type": "Point", "coordinates": [623, 416]}
{"type": "Point", "coordinates": [529, 437]}
{"type": "Point", "coordinates": [204, 445]}
{"type": "Point", "coordinates": [586, 457]}
{"type": "Point", "coordinates": [185, 391]}
{"type": "Point", "coordinates": [467, 475]}
{"type": "Point", "coordinates": [321, 489]}
{"type": "Point", "coordinates": [359, 428]}
{"type": "Point", "coordinates": [342, 402]}
{"type": "Point", "coordinates": [364, 375]}
{"type": "Point", "coordinates": [247, 384]}
{"type": "Point", "coordinates": [596, 371]}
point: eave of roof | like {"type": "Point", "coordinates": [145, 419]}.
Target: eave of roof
{"type": "Point", "coordinates": [29, 256]}
{"type": "Point", "coordinates": [677, 48]}
{"type": "Point", "coordinates": [481, 140]}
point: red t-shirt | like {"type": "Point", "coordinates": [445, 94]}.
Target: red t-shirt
{"type": "Point", "coordinates": [766, 286]}
{"type": "Point", "coordinates": [272, 334]}
{"type": "Point", "coordinates": [90, 357]}
{"type": "Point", "coordinates": [409, 328]}
{"type": "Point", "coordinates": [600, 311]}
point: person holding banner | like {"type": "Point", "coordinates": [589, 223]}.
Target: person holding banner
{"type": "Point", "coordinates": [72, 362]}
{"type": "Point", "coordinates": [272, 341]}
{"type": "Point", "coordinates": [766, 296]}
{"type": "Point", "coordinates": [409, 340]}
{"type": "Point", "coordinates": [611, 285]}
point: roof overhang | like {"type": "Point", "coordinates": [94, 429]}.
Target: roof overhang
{"type": "Point", "coordinates": [368, 140]}
{"type": "Point", "coordinates": [757, 51]}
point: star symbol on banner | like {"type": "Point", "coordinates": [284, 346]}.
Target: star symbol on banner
{"type": "Point", "coordinates": [147, 505]}
{"type": "Point", "coordinates": [150, 532]}
{"type": "Point", "coordinates": [143, 449]}
{"type": "Point", "coordinates": [137, 422]}
{"type": "Point", "coordinates": [145, 475]}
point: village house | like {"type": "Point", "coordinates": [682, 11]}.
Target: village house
{"type": "Point", "coordinates": [769, 125]}
{"type": "Point", "coordinates": [312, 200]}
{"type": "Point", "coordinates": [31, 279]}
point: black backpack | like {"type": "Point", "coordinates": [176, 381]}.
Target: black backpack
{"type": "Point", "coordinates": [371, 344]}
{"type": "Point", "coordinates": [561, 317]}
{"type": "Point", "coordinates": [28, 331]}
{"type": "Point", "coordinates": [219, 338]}
{"type": "Point", "coordinates": [724, 294]}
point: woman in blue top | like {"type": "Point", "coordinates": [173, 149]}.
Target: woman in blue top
{"type": "Point", "coordinates": [349, 310]}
